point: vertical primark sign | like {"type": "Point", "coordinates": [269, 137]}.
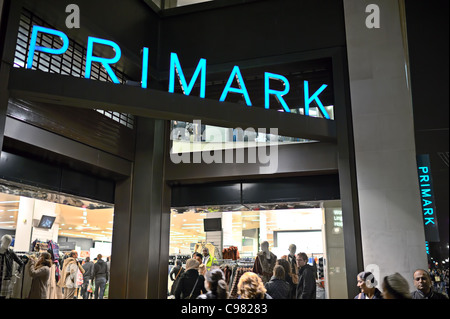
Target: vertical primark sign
{"type": "Point", "coordinates": [427, 198]}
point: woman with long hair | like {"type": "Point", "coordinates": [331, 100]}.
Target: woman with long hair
{"type": "Point", "coordinates": [40, 272]}
{"type": "Point", "coordinates": [215, 284]}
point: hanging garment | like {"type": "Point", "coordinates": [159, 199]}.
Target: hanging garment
{"type": "Point", "coordinates": [234, 288]}
{"type": "Point", "coordinates": [54, 292]}
{"type": "Point", "coordinates": [264, 266]}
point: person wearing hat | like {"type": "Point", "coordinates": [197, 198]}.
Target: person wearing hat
{"type": "Point", "coordinates": [191, 284]}
{"type": "Point", "coordinates": [395, 286]}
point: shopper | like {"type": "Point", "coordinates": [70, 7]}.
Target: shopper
{"type": "Point", "coordinates": [424, 287]}
{"type": "Point", "coordinates": [277, 287]}
{"type": "Point", "coordinates": [69, 274]}
{"type": "Point", "coordinates": [288, 276]}
{"type": "Point", "coordinates": [40, 273]}
{"type": "Point", "coordinates": [176, 271]}
{"type": "Point", "coordinates": [366, 282]}
{"type": "Point", "coordinates": [306, 287]}
{"type": "Point", "coordinates": [201, 266]}
{"type": "Point", "coordinates": [250, 286]}
{"type": "Point", "coordinates": [100, 277]}
{"type": "Point", "coordinates": [395, 286]}
{"type": "Point", "coordinates": [215, 285]}
{"type": "Point", "coordinates": [191, 283]}
{"type": "Point", "coordinates": [88, 267]}
{"type": "Point", "coordinates": [198, 257]}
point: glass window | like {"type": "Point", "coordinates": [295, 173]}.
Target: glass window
{"type": "Point", "coordinates": [315, 228]}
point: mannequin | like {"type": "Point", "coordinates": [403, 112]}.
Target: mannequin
{"type": "Point", "coordinates": [292, 261]}
{"type": "Point", "coordinates": [264, 262]}
{"type": "Point", "coordinates": [7, 257]}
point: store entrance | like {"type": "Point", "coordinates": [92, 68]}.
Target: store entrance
{"type": "Point", "coordinates": [34, 221]}
{"type": "Point", "coordinates": [233, 236]}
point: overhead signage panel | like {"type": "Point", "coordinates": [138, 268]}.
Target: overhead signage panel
{"type": "Point", "coordinates": [235, 83]}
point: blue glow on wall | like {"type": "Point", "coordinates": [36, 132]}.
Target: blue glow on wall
{"type": "Point", "coordinates": [34, 47]}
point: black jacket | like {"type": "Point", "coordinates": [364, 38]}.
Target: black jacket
{"type": "Point", "coordinates": [173, 274]}
{"type": "Point", "coordinates": [186, 285]}
{"type": "Point", "coordinates": [306, 287]}
{"type": "Point", "coordinates": [431, 295]}
{"type": "Point", "coordinates": [101, 269]}
{"type": "Point", "coordinates": [278, 288]}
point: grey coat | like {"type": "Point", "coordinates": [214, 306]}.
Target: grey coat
{"type": "Point", "coordinates": [39, 285]}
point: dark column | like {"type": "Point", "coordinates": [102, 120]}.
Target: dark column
{"type": "Point", "coordinates": [9, 26]}
{"type": "Point", "coordinates": [141, 220]}
{"type": "Point", "coordinates": [347, 172]}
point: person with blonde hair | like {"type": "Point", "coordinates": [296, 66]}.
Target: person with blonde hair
{"type": "Point", "coordinates": [251, 286]}
{"type": "Point", "coordinates": [69, 273]}
{"type": "Point", "coordinates": [191, 284]}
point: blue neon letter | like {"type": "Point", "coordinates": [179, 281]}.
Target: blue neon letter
{"type": "Point", "coordinates": [34, 47]}
{"type": "Point", "coordinates": [144, 68]}
{"type": "Point", "coordinates": [278, 94]}
{"type": "Point", "coordinates": [315, 97]}
{"type": "Point", "coordinates": [236, 73]}
{"type": "Point", "coordinates": [104, 61]}
{"type": "Point", "coordinates": [176, 67]}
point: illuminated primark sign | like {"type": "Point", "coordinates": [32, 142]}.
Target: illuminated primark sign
{"type": "Point", "coordinates": [427, 198]}
{"type": "Point", "coordinates": [176, 72]}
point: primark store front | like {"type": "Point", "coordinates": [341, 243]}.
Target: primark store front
{"type": "Point", "coordinates": [146, 131]}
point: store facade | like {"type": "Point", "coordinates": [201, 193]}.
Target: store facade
{"type": "Point", "coordinates": [299, 74]}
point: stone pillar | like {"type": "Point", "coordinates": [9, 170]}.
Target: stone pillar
{"type": "Point", "coordinates": [24, 224]}
{"type": "Point", "coordinates": [392, 231]}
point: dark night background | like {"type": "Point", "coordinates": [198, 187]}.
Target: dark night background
{"type": "Point", "coordinates": [428, 34]}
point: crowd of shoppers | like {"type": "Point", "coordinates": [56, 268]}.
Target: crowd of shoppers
{"type": "Point", "coordinates": [87, 280]}
{"type": "Point", "coordinates": [198, 282]}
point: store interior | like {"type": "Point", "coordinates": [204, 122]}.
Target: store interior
{"type": "Point", "coordinates": [39, 221]}
{"type": "Point", "coordinates": [307, 225]}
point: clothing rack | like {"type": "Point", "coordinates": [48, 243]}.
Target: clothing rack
{"type": "Point", "coordinates": [25, 257]}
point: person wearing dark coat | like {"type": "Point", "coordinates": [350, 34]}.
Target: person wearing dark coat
{"type": "Point", "coordinates": [424, 286]}
{"type": "Point", "coordinates": [306, 287]}
{"type": "Point", "coordinates": [288, 275]}
{"type": "Point", "coordinates": [277, 287]}
{"type": "Point", "coordinates": [191, 284]}
{"type": "Point", "coordinates": [215, 284]}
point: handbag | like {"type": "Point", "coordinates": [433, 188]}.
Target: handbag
{"type": "Point", "coordinates": [190, 295]}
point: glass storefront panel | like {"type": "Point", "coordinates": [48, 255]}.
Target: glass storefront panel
{"type": "Point", "coordinates": [315, 229]}
{"type": "Point", "coordinates": [39, 221]}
